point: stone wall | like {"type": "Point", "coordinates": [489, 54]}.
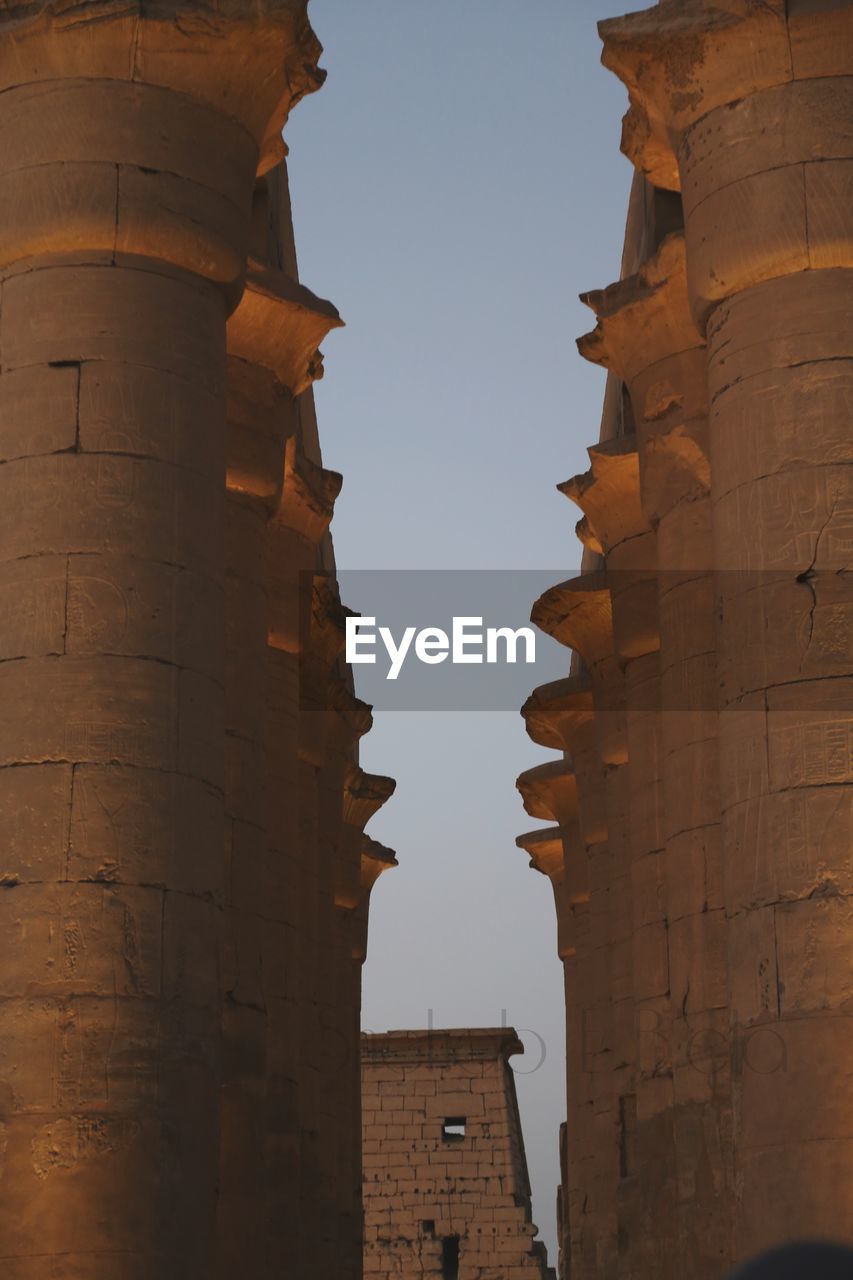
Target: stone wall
{"type": "Point", "coordinates": [446, 1191]}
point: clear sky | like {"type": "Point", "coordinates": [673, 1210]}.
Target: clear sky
{"type": "Point", "coordinates": [456, 183]}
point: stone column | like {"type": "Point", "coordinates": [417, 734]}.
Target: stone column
{"type": "Point", "coordinates": [128, 148]}
{"type": "Point", "coordinates": [295, 540]}
{"type": "Point", "coordinates": [360, 858]}
{"type": "Point", "coordinates": [615, 524]}
{"type": "Point", "coordinates": [330, 720]}
{"type": "Point", "coordinates": [646, 336]}
{"type": "Point", "coordinates": [272, 341]}
{"type": "Point", "coordinates": [322, 644]}
{"type": "Point", "coordinates": [347, 720]}
{"type": "Point", "coordinates": [375, 859]}
{"type": "Point", "coordinates": [560, 716]}
{"type": "Point", "coordinates": [578, 614]}
{"type": "Point", "coordinates": [550, 791]}
{"type": "Point", "coordinates": [747, 113]}
{"type": "Point", "coordinates": [305, 637]}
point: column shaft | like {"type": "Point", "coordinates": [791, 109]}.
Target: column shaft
{"type": "Point", "coordinates": [111, 750]}
{"type": "Point", "coordinates": [753, 127]}
{"type": "Point", "coordinates": [780, 376]}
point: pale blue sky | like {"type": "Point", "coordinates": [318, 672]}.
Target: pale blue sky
{"type": "Point", "coordinates": [456, 183]}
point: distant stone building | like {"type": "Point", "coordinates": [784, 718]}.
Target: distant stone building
{"type": "Point", "coordinates": [702, 797]}
{"type": "Point", "coordinates": [446, 1191]}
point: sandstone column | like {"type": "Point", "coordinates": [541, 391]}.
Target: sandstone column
{"type": "Point", "coordinates": [322, 643]}
{"type": "Point", "coordinates": [551, 791]}
{"type": "Point", "coordinates": [609, 496]}
{"type": "Point", "coordinates": [128, 148]}
{"type": "Point", "coordinates": [305, 637]}
{"type": "Point", "coordinates": [361, 862]}
{"type": "Point", "coordinates": [317, 721]}
{"type": "Point", "coordinates": [272, 357]}
{"type": "Point", "coordinates": [578, 614]}
{"type": "Point", "coordinates": [347, 720]}
{"type": "Point", "coordinates": [645, 335]}
{"type": "Point", "coordinates": [747, 112]}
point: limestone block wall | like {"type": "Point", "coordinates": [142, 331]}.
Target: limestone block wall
{"type": "Point", "coordinates": [446, 1191]}
{"type": "Point", "coordinates": [714, 608]}
{"type": "Point", "coordinates": [178, 735]}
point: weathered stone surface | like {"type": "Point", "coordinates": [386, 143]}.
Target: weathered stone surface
{"type": "Point", "coordinates": [728, 346]}
{"type": "Point", "coordinates": [432, 1194]}
{"type": "Point", "coordinates": [279, 326]}
{"type": "Point", "coordinates": [252, 67]}
{"type": "Point", "coordinates": [176, 975]}
{"type": "Point", "coordinates": [130, 409]}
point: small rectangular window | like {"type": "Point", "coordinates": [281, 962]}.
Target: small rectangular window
{"type": "Point", "coordinates": [428, 1226]}
{"type": "Point", "coordinates": [453, 1128]}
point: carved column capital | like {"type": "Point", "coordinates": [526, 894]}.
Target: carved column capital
{"type": "Point", "coordinates": [646, 335]}
{"type": "Point", "coordinates": [578, 613]}
{"type": "Point", "coordinates": [550, 791]}
{"type": "Point", "coordinates": [554, 854]}
{"type": "Point", "coordinates": [279, 326]}
{"type": "Point", "coordinates": [609, 493]}
{"type": "Point", "coordinates": [376, 859]}
{"type": "Point", "coordinates": [680, 60]}
{"type": "Point", "coordinates": [555, 712]}
{"type": "Point", "coordinates": [643, 317]}
{"type": "Point", "coordinates": [743, 106]}
{"type": "Point", "coordinates": [135, 131]}
{"type": "Point", "coordinates": [544, 847]}
{"type": "Point", "coordinates": [364, 795]}
{"type": "Point", "coordinates": [308, 494]}
{"type": "Point", "coordinates": [348, 718]}
{"type": "Point", "coordinates": [252, 62]}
